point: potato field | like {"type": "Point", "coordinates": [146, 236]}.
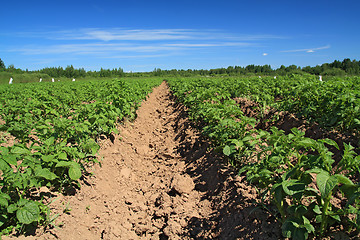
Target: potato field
{"type": "Point", "coordinates": [170, 151]}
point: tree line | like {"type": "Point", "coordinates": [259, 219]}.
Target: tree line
{"type": "Point", "coordinates": [336, 68]}
{"type": "Point", "coordinates": [68, 72]}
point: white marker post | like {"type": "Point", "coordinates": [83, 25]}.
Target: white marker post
{"type": "Point", "coordinates": [52, 80]}
{"type": "Point", "coordinates": [320, 78]}
{"type": "Point", "coordinates": [40, 80]}
{"type": "Point", "coordinates": [11, 81]}
{"type": "Point", "coordinates": [73, 80]}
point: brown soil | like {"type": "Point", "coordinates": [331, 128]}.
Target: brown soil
{"type": "Point", "coordinates": [6, 139]}
{"type": "Point", "coordinates": [159, 179]}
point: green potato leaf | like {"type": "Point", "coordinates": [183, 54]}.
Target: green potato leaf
{"type": "Point", "coordinates": [20, 150]}
{"type": "Point", "coordinates": [75, 171]}
{"type": "Point", "coordinates": [45, 173]}
{"type": "Point", "coordinates": [4, 199]}
{"type": "Point", "coordinates": [326, 183]}
{"type": "Point", "coordinates": [29, 213]}
{"type": "Point", "coordinates": [63, 156]}
{"type": "Point", "coordinates": [227, 150]}
{"type": "Point", "coordinates": [292, 186]}
{"type": "Point", "coordinates": [63, 164]}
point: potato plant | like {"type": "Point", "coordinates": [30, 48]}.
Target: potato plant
{"type": "Point", "coordinates": [298, 175]}
{"type": "Point", "coordinates": [56, 128]}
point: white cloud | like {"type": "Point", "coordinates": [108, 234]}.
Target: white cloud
{"type": "Point", "coordinates": [264, 54]}
{"type": "Point", "coordinates": [92, 48]}
{"type": "Point", "coordinates": [112, 48]}
{"type": "Point", "coordinates": [138, 56]}
{"type": "Point", "coordinates": [120, 34]}
{"type": "Point", "coordinates": [129, 43]}
{"type": "Point", "coordinates": [117, 34]}
{"type": "Point", "coordinates": [219, 44]}
{"type": "Point", "coordinates": [308, 50]}
{"type": "Point", "coordinates": [256, 37]}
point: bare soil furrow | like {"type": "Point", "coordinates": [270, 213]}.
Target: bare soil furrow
{"type": "Point", "coordinates": [159, 179]}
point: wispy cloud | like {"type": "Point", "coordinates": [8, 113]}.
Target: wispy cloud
{"type": "Point", "coordinates": [131, 43]}
{"type": "Point", "coordinates": [109, 48]}
{"type": "Point", "coordinates": [91, 48]}
{"type": "Point", "coordinates": [116, 34]}
{"type": "Point", "coordinates": [119, 34]}
{"type": "Point", "coordinates": [139, 56]}
{"type": "Point", "coordinates": [218, 44]}
{"type": "Point", "coordinates": [308, 50]}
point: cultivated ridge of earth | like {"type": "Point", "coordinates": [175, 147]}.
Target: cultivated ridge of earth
{"type": "Point", "coordinates": [160, 180]}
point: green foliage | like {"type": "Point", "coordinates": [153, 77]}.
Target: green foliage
{"type": "Point", "coordinates": [2, 65]}
{"type": "Point", "coordinates": [57, 127]}
{"type": "Point", "coordinates": [297, 174]}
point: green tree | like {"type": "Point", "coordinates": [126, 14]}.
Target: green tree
{"type": "Point", "coordinates": [333, 72]}
{"type": "Point", "coordinates": [69, 72]}
{"type": "Point", "coordinates": [105, 72]}
{"type": "Point", "coordinates": [2, 65]}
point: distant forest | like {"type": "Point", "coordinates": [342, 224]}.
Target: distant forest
{"type": "Point", "coordinates": [337, 68]}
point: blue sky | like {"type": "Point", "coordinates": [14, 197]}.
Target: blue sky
{"type": "Point", "coordinates": [141, 35]}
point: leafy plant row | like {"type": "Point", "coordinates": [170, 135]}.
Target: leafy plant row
{"type": "Point", "coordinates": [334, 104]}
{"type": "Point", "coordinates": [56, 128]}
{"type": "Point", "coordinates": [298, 175]}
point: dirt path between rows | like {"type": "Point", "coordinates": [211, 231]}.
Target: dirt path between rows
{"type": "Point", "coordinates": [160, 180]}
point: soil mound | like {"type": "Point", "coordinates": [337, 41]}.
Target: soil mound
{"type": "Point", "coordinates": [160, 180]}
